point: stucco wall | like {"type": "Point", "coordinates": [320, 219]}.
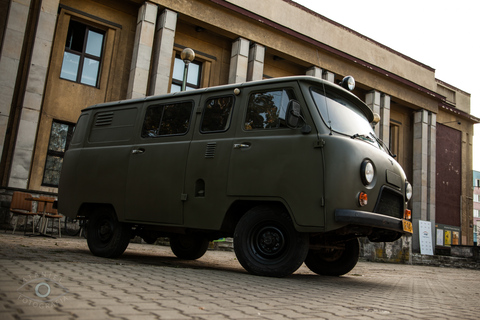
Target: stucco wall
{"type": "Point", "coordinates": [346, 40]}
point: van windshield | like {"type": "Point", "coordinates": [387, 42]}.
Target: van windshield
{"type": "Point", "coordinates": [341, 115]}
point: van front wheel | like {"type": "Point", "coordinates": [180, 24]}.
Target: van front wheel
{"type": "Point", "coordinates": [106, 236]}
{"type": "Point", "coordinates": [267, 244]}
{"type": "Point", "coordinates": [334, 261]}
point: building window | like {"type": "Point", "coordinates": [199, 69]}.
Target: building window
{"type": "Point", "coordinates": [475, 198]}
{"type": "Point", "coordinates": [476, 213]}
{"type": "Point", "coordinates": [475, 231]}
{"type": "Point", "coordinates": [193, 78]}
{"type": "Point", "coordinates": [394, 139]}
{"type": "Point", "coordinates": [83, 54]}
{"type": "Point", "coordinates": [60, 137]}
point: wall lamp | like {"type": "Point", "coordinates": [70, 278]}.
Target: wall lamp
{"type": "Point", "coordinates": [188, 55]}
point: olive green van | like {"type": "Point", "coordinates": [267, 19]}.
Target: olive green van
{"type": "Point", "coordinates": [288, 167]}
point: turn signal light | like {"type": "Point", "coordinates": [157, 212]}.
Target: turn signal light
{"type": "Point", "coordinates": [407, 215]}
{"type": "Point", "coordinates": [362, 199]}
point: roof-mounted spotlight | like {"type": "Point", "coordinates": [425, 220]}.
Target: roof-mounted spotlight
{"type": "Point", "coordinates": [348, 83]}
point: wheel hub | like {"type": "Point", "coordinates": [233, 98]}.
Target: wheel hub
{"type": "Point", "coordinates": [270, 242]}
{"type": "Point", "coordinates": [105, 231]}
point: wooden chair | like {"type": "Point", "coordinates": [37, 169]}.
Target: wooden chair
{"type": "Point", "coordinates": [22, 207]}
{"type": "Point", "coordinates": [50, 213]}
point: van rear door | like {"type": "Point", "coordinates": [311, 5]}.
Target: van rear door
{"type": "Point", "coordinates": [208, 161]}
{"type": "Point", "coordinates": [156, 170]}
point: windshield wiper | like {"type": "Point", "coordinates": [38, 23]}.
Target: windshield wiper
{"type": "Point", "coordinates": [362, 137]}
{"type": "Point", "coordinates": [383, 145]}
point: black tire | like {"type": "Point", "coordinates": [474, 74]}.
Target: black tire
{"type": "Point", "coordinates": [106, 236]}
{"type": "Point", "coordinates": [149, 240]}
{"type": "Point", "coordinates": [267, 244]}
{"type": "Point", "coordinates": [72, 226]}
{"type": "Point", "coordinates": [188, 247]}
{"type": "Point", "coordinates": [334, 262]}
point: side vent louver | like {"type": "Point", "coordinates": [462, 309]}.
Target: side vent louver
{"type": "Point", "coordinates": [210, 151]}
{"type": "Point", "coordinates": [104, 119]}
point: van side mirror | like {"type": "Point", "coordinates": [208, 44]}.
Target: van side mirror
{"type": "Point", "coordinates": [294, 118]}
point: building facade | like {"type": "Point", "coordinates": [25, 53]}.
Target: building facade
{"type": "Point", "coordinates": [60, 56]}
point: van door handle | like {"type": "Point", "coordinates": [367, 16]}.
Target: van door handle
{"type": "Point", "coordinates": [241, 145]}
{"type": "Point", "coordinates": [138, 151]}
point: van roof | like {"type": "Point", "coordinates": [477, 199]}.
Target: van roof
{"type": "Point", "coordinates": [310, 79]}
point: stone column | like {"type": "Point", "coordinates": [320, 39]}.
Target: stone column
{"type": "Point", "coordinates": [315, 72]}
{"type": "Point", "coordinates": [256, 60]}
{"type": "Point", "coordinates": [163, 52]}
{"type": "Point", "coordinates": [32, 102]}
{"type": "Point", "coordinates": [424, 162]}
{"type": "Point", "coordinates": [10, 59]}
{"type": "Point", "coordinates": [432, 169]}
{"type": "Point", "coordinates": [373, 100]}
{"type": "Point", "coordinates": [384, 125]}
{"type": "Point", "coordinates": [329, 76]}
{"type": "Point", "coordinates": [239, 61]}
{"type": "Point", "coordinates": [142, 51]}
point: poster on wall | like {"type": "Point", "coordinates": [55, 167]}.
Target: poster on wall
{"type": "Point", "coordinates": [425, 234]}
{"type": "Point", "coordinates": [455, 238]}
{"type": "Point", "coordinates": [448, 238]}
{"type": "Point", "coordinates": [439, 237]}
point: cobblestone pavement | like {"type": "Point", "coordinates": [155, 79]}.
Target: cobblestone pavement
{"type": "Point", "coordinates": [42, 278]}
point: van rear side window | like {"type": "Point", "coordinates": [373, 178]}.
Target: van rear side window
{"type": "Point", "coordinates": [217, 114]}
{"type": "Point", "coordinates": [167, 119]}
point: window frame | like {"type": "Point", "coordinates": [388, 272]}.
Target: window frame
{"type": "Point", "coordinates": [178, 82]}
{"type": "Point", "coordinates": [394, 139]}
{"type": "Point", "coordinates": [84, 55]}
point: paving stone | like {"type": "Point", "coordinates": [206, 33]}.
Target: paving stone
{"type": "Point", "coordinates": [149, 283]}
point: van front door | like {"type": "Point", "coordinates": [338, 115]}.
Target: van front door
{"type": "Point", "coordinates": [272, 162]}
{"type": "Point", "coordinates": [156, 169]}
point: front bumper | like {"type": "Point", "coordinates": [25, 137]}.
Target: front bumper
{"type": "Point", "coordinates": [374, 220]}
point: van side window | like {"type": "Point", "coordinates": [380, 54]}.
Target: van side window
{"type": "Point", "coordinates": [266, 110]}
{"type": "Point", "coordinates": [167, 119]}
{"type": "Point", "coordinates": [217, 114]}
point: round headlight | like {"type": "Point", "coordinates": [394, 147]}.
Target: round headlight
{"type": "Point", "coordinates": [408, 190]}
{"type": "Point", "coordinates": [367, 172]}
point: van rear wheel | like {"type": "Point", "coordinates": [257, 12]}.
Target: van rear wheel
{"type": "Point", "coordinates": [106, 236]}
{"type": "Point", "coordinates": [267, 244]}
{"type": "Point", "coordinates": [188, 247]}
{"type": "Point", "coordinates": [334, 261]}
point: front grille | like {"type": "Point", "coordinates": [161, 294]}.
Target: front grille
{"type": "Point", "coordinates": [390, 203]}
